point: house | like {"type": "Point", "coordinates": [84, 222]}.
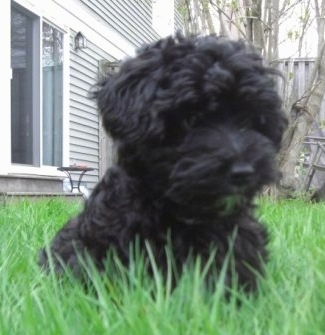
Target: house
{"type": "Point", "coordinates": [52, 54]}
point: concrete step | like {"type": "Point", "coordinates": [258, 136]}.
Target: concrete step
{"type": "Point", "coordinates": [30, 183]}
{"type": "Point", "coordinates": [12, 197]}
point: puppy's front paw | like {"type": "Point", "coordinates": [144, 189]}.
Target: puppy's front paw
{"type": "Point", "coordinates": [65, 251]}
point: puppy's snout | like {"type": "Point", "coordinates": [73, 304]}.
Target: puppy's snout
{"type": "Point", "coordinates": [241, 172]}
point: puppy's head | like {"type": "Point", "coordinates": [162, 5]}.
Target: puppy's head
{"type": "Point", "coordinates": [179, 84]}
{"type": "Point", "coordinates": [219, 167]}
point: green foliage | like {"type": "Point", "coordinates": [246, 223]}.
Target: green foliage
{"type": "Point", "coordinates": [293, 34]}
{"type": "Point", "coordinates": [290, 301]}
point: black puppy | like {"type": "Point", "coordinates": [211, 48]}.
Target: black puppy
{"type": "Point", "coordinates": [197, 123]}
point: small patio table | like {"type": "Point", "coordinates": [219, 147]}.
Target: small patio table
{"type": "Point", "coordinates": [77, 169]}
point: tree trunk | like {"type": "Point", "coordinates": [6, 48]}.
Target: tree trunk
{"type": "Point", "coordinates": [207, 16]}
{"type": "Point", "coordinates": [304, 114]}
{"type": "Point", "coordinates": [249, 20]}
{"type": "Point", "coordinates": [258, 29]}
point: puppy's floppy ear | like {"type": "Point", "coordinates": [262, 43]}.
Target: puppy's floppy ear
{"type": "Point", "coordinates": [150, 88]}
{"type": "Point", "coordinates": [120, 105]}
{"type": "Point", "coordinates": [125, 99]}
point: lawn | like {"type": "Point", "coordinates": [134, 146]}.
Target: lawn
{"type": "Point", "coordinates": [291, 299]}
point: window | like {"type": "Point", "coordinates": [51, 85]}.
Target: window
{"type": "Point", "coordinates": [52, 62]}
{"type": "Point", "coordinates": [36, 90]}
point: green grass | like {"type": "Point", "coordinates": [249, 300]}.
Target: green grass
{"type": "Point", "coordinates": [291, 298]}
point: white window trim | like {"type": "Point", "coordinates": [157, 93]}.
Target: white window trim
{"type": "Point", "coordinates": [6, 74]}
{"type": "Point", "coordinates": [45, 169]}
{"type": "Point", "coordinates": [63, 12]}
{"type": "Point", "coordinates": [67, 16]}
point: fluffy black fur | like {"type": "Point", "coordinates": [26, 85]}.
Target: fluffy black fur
{"type": "Point", "coordinates": [197, 123]}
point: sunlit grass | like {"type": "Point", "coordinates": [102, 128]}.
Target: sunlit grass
{"type": "Point", "coordinates": [291, 299]}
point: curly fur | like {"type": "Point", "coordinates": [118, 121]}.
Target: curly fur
{"type": "Point", "coordinates": [197, 123]}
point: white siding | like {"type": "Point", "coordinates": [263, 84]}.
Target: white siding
{"type": "Point", "coordinates": [84, 120]}
{"type": "Point", "coordinates": [130, 18]}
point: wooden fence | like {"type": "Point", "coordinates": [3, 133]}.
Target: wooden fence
{"type": "Point", "coordinates": [311, 164]}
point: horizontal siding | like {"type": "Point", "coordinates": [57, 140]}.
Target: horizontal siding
{"type": "Point", "coordinates": [84, 124]}
{"type": "Point", "coordinates": [80, 107]}
{"type": "Point", "coordinates": [81, 88]}
{"type": "Point", "coordinates": [84, 121]}
{"type": "Point", "coordinates": [132, 18]}
{"type": "Point", "coordinates": [85, 143]}
{"type": "Point", "coordinates": [75, 134]}
{"type": "Point", "coordinates": [87, 153]}
{"type": "Point", "coordinates": [79, 112]}
{"type": "Point", "coordinates": [179, 23]}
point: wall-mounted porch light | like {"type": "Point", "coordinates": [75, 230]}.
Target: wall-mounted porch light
{"type": "Point", "coordinates": [80, 41]}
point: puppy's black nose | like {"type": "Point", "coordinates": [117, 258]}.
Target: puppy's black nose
{"type": "Point", "coordinates": [241, 172]}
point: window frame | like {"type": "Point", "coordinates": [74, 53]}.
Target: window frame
{"type": "Point", "coordinates": [37, 96]}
